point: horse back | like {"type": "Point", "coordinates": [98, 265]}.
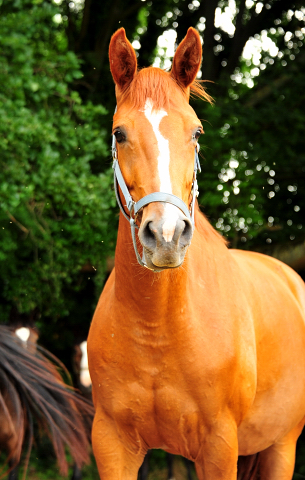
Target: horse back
{"type": "Point", "coordinates": [265, 270]}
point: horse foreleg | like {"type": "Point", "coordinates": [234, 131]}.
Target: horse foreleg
{"type": "Point", "coordinates": [277, 462]}
{"type": "Point", "coordinates": [76, 473]}
{"type": "Point", "coordinates": [115, 460]}
{"type": "Point", "coordinates": [188, 464]}
{"type": "Point", "coordinates": [14, 473]}
{"type": "Point", "coordinates": [144, 469]}
{"type": "Point", "coordinates": [218, 455]}
{"type": "Point", "coordinates": [170, 462]}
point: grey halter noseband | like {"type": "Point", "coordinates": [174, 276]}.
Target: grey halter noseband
{"type": "Point", "coordinates": [134, 207]}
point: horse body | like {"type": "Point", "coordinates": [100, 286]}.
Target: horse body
{"type": "Point", "coordinates": [171, 372]}
{"type": "Point", "coordinates": [275, 294]}
{"type": "Point", "coordinates": [207, 360]}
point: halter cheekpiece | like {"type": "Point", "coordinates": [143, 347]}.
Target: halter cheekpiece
{"type": "Point", "coordinates": [134, 207]}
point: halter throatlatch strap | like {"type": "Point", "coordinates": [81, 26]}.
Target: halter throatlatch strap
{"type": "Point", "coordinates": [134, 207]}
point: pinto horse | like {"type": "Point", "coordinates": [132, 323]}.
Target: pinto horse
{"type": "Point", "coordinates": [199, 350]}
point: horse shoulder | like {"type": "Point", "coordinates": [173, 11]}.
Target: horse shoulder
{"type": "Point", "coordinates": [101, 334]}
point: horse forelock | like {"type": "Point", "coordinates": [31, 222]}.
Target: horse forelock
{"type": "Point", "coordinates": [161, 87]}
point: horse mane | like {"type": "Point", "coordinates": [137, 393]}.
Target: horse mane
{"type": "Point", "coordinates": [206, 229]}
{"type": "Point", "coordinates": [159, 85]}
{"type": "Point", "coordinates": [31, 387]}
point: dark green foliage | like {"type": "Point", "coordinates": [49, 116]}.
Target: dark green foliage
{"type": "Point", "coordinates": [57, 210]}
{"type": "Point", "coordinates": [55, 214]}
{"type": "Point", "coordinates": [255, 154]}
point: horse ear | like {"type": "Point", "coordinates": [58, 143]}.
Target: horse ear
{"type": "Point", "coordinates": [123, 60]}
{"type": "Point", "coordinates": [187, 59]}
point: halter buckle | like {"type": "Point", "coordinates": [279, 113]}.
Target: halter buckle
{"type": "Point", "coordinates": [130, 207]}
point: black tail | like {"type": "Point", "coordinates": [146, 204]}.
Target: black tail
{"type": "Point", "coordinates": [31, 388]}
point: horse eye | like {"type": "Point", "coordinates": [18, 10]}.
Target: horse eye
{"type": "Point", "coordinates": [197, 134]}
{"type": "Point", "coordinates": [120, 137]}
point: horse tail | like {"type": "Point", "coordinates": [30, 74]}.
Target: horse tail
{"type": "Point", "coordinates": [248, 467]}
{"type": "Point", "coordinates": [31, 389]}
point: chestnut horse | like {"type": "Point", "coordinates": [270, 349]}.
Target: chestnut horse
{"type": "Point", "coordinates": [206, 360]}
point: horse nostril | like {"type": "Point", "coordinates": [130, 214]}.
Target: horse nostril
{"type": "Point", "coordinates": [186, 234]}
{"type": "Point", "coordinates": [152, 235]}
{"type": "Point", "coordinates": [148, 237]}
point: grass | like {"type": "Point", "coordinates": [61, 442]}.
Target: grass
{"type": "Point", "coordinates": [42, 466]}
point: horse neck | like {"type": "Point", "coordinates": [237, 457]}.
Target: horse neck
{"type": "Point", "coordinates": [154, 293]}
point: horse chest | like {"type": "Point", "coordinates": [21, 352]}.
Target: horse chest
{"type": "Point", "coordinates": [163, 385]}
{"type": "Point", "coordinates": [163, 402]}
{"type": "Point", "coordinates": [160, 416]}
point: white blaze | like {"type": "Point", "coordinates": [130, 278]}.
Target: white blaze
{"type": "Point", "coordinates": [85, 378]}
{"type": "Point", "coordinates": [23, 333]}
{"type": "Point", "coordinates": [171, 212]}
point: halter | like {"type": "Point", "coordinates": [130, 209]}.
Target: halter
{"type": "Point", "coordinates": [134, 207]}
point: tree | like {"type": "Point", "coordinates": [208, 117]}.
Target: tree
{"type": "Point", "coordinates": [55, 213]}
{"type": "Point", "coordinates": [241, 113]}
{"type": "Point", "coordinates": [57, 99]}
{"type": "Point", "coordinates": [262, 148]}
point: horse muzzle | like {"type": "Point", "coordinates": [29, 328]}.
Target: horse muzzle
{"type": "Point", "coordinates": [165, 243]}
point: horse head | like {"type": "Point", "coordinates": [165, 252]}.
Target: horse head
{"type": "Point", "coordinates": [155, 133]}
